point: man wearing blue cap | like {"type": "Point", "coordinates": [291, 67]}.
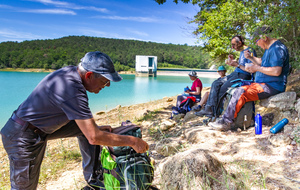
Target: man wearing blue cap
{"type": "Point", "coordinates": [271, 76]}
{"type": "Point", "coordinates": [58, 108]}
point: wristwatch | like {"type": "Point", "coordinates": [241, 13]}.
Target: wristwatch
{"type": "Point", "coordinates": [238, 66]}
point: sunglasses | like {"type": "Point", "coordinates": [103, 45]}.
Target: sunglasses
{"type": "Point", "coordinates": [107, 82]}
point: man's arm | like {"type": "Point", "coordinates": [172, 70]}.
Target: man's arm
{"type": "Point", "coordinates": [271, 71]}
{"type": "Point", "coordinates": [96, 136]}
{"type": "Point", "coordinates": [254, 60]}
{"type": "Point", "coordinates": [197, 92]}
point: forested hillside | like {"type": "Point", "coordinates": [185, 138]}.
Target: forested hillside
{"type": "Point", "coordinates": [54, 54]}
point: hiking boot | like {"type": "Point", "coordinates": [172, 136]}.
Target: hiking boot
{"type": "Point", "coordinates": [208, 111]}
{"type": "Point", "coordinates": [220, 125]}
{"type": "Point", "coordinates": [197, 108]}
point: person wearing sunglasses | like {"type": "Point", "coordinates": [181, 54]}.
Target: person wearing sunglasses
{"type": "Point", "coordinates": [270, 79]}
{"type": "Point", "coordinates": [221, 86]}
{"type": "Point", "coordinates": [58, 108]}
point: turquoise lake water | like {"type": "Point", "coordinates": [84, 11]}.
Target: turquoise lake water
{"type": "Point", "coordinates": [16, 86]}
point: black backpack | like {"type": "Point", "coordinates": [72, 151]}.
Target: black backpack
{"type": "Point", "coordinates": [121, 168]}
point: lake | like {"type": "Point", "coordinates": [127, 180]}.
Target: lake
{"type": "Point", "coordinates": [16, 86]}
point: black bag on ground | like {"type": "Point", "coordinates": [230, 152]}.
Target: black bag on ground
{"type": "Point", "coordinates": [121, 168]}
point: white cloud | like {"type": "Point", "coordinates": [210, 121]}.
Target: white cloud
{"type": "Point", "coordinates": [130, 18]}
{"type": "Point", "coordinates": [11, 35]}
{"type": "Point", "coordinates": [50, 11]}
{"type": "Point", "coordinates": [138, 32]}
{"type": "Point", "coordinates": [71, 5]}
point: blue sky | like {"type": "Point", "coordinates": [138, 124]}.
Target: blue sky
{"type": "Point", "coordinates": [143, 20]}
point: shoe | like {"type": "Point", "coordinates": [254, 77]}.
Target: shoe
{"type": "Point", "coordinates": [220, 125]}
{"type": "Point", "coordinates": [208, 111]}
{"type": "Point", "coordinates": [197, 108]}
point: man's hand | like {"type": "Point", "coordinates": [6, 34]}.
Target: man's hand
{"type": "Point", "coordinates": [247, 54]}
{"type": "Point", "coordinates": [251, 68]}
{"type": "Point", "coordinates": [140, 146]}
{"type": "Point", "coordinates": [106, 128]}
{"type": "Point", "coordinates": [231, 62]}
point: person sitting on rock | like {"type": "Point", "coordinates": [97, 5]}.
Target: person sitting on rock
{"type": "Point", "coordinates": [195, 90]}
{"type": "Point", "coordinates": [222, 72]}
{"type": "Point", "coordinates": [219, 88]}
{"type": "Point", "coordinates": [271, 76]}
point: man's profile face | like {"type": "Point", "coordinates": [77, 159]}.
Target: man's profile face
{"type": "Point", "coordinates": [95, 85]}
{"type": "Point", "coordinates": [236, 45]}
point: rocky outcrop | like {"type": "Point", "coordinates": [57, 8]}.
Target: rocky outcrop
{"type": "Point", "coordinates": [282, 101]}
{"type": "Point", "coordinates": [193, 169]}
{"type": "Point", "coordinates": [167, 147]}
{"type": "Point", "coordinates": [297, 107]}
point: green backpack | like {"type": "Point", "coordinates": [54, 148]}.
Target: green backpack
{"type": "Point", "coordinates": [121, 168]}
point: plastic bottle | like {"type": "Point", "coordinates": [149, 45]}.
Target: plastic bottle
{"type": "Point", "coordinates": [279, 125]}
{"type": "Point", "coordinates": [258, 124]}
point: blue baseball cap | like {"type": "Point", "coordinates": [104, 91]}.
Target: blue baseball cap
{"type": "Point", "coordinates": [101, 63]}
{"type": "Point", "coordinates": [222, 68]}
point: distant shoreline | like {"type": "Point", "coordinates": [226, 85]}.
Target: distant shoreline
{"type": "Point", "coordinates": [163, 73]}
{"type": "Point", "coordinates": [28, 70]}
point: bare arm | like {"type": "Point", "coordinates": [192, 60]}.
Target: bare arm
{"type": "Point", "coordinates": [197, 92]}
{"type": "Point", "coordinates": [96, 136]}
{"type": "Point", "coordinates": [271, 71]}
{"type": "Point", "coordinates": [255, 60]}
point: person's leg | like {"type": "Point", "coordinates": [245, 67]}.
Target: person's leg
{"type": "Point", "coordinates": [253, 92]}
{"type": "Point", "coordinates": [214, 91]}
{"type": "Point", "coordinates": [87, 150]}
{"type": "Point", "coordinates": [25, 150]}
{"type": "Point", "coordinates": [204, 99]}
{"type": "Point", "coordinates": [212, 99]}
{"type": "Point", "coordinates": [228, 83]}
{"type": "Point", "coordinates": [88, 156]}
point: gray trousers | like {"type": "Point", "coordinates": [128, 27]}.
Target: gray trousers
{"type": "Point", "coordinates": [26, 150]}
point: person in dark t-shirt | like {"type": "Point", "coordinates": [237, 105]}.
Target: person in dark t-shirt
{"type": "Point", "coordinates": [219, 88]}
{"type": "Point", "coordinates": [58, 108]}
{"type": "Point", "coordinates": [271, 76]}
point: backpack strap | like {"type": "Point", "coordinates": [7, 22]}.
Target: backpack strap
{"type": "Point", "coordinates": [124, 128]}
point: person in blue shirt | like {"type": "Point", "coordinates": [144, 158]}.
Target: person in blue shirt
{"type": "Point", "coordinates": [271, 76]}
{"type": "Point", "coordinates": [219, 88]}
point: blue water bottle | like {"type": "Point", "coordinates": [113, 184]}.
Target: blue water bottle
{"type": "Point", "coordinates": [258, 124]}
{"type": "Point", "coordinates": [279, 125]}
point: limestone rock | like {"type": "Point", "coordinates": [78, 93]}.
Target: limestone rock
{"type": "Point", "coordinates": [213, 67]}
{"type": "Point", "coordinates": [167, 147]}
{"type": "Point", "coordinates": [167, 124]}
{"type": "Point", "coordinates": [280, 140]}
{"type": "Point", "coordinates": [297, 107]}
{"type": "Point", "coordinates": [288, 130]}
{"type": "Point", "coordinates": [100, 113]}
{"type": "Point", "coordinates": [178, 117]}
{"type": "Point", "coordinates": [189, 115]}
{"type": "Point", "coordinates": [197, 135]}
{"type": "Point", "coordinates": [283, 101]}
{"type": "Point", "coordinates": [193, 169]}
{"type": "Point", "coordinates": [169, 100]}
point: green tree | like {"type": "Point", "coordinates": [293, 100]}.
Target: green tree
{"type": "Point", "coordinates": [219, 20]}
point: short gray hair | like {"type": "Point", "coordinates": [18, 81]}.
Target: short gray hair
{"type": "Point", "coordinates": [82, 71]}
